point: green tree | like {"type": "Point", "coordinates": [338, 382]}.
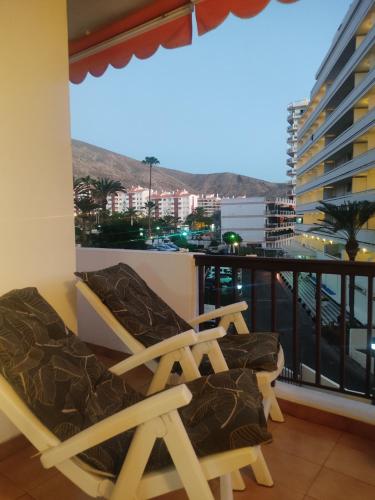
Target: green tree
{"type": "Point", "coordinates": [151, 161]}
{"type": "Point", "coordinates": [230, 237]}
{"type": "Point", "coordinates": [131, 214]}
{"type": "Point", "coordinates": [104, 187]}
{"type": "Point", "coordinates": [346, 220]}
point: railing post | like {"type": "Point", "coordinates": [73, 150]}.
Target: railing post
{"type": "Point", "coordinates": [252, 301]}
{"type": "Point", "coordinates": [342, 332]}
{"type": "Point", "coordinates": [217, 287]}
{"type": "Point", "coordinates": [201, 288]}
{"type": "Point", "coordinates": [318, 330]}
{"type": "Point", "coordinates": [369, 389]}
{"type": "Point", "coordinates": [296, 364]}
{"type": "Point", "coordinates": [273, 301]}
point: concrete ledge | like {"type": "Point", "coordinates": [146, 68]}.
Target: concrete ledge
{"type": "Point", "coordinates": [343, 412]}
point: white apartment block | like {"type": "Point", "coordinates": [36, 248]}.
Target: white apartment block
{"type": "Point", "coordinates": [179, 204]}
{"type": "Point", "coordinates": [211, 203]}
{"type": "Point", "coordinates": [266, 222]}
{"type": "Point", "coordinates": [296, 111]}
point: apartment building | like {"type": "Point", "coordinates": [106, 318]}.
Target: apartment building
{"type": "Point", "coordinates": [211, 203]}
{"type": "Point", "coordinates": [135, 197]}
{"type": "Point", "coordinates": [336, 136]}
{"type": "Point", "coordinates": [261, 221]}
{"type": "Point", "coordinates": [296, 110]}
{"type": "Point", "coordinates": [178, 204]}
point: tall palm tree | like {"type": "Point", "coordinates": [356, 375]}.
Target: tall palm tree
{"type": "Point", "coordinates": [346, 220]}
{"type": "Point", "coordinates": [151, 161]}
{"type": "Point", "coordinates": [102, 188]}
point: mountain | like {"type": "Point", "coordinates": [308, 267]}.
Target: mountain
{"type": "Point", "coordinates": [98, 162]}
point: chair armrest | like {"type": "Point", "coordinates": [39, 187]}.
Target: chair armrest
{"type": "Point", "coordinates": [211, 334]}
{"type": "Point", "coordinates": [139, 413]}
{"type": "Point", "coordinates": [219, 313]}
{"type": "Point", "coordinates": [166, 346]}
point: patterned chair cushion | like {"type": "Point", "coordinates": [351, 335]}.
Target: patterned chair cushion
{"type": "Point", "coordinates": [138, 308]}
{"type": "Point", "coordinates": [68, 389]}
{"type": "Point", "coordinates": [258, 351]}
{"type": "Point", "coordinates": [146, 316]}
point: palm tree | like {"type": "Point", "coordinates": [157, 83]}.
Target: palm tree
{"type": "Point", "coordinates": [104, 187]}
{"type": "Point", "coordinates": [131, 213]}
{"type": "Point", "coordinates": [151, 161]}
{"type": "Point", "coordinates": [346, 219]}
{"type": "Point", "coordinates": [85, 207]}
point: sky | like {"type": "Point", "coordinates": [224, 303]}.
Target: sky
{"type": "Point", "coordinates": [218, 105]}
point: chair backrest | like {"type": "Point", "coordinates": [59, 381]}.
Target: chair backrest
{"type": "Point", "coordinates": [135, 305]}
{"type": "Point", "coordinates": [56, 376]}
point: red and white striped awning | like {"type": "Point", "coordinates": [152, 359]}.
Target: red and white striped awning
{"type": "Point", "coordinates": [149, 25]}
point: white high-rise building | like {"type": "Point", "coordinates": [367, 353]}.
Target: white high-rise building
{"type": "Point", "coordinates": [258, 220]}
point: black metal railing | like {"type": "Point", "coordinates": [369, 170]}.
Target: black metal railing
{"type": "Point", "coordinates": [293, 306]}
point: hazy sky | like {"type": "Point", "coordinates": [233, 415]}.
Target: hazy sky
{"type": "Point", "coordinates": [218, 105]}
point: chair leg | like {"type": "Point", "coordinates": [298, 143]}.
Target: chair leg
{"type": "Point", "coordinates": [184, 459]}
{"type": "Point", "coordinates": [238, 483]}
{"type": "Point", "coordinates": [275, 411]}
{"type": "Point", "coordinates": [226, 492]}
{"type": "Point", "coordinates": [260, 470]}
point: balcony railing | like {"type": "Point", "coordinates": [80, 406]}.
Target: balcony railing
{"type": "Point", "coordinates": [317, 328]}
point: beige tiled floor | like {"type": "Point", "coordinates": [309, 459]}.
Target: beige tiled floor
{"type": "Point", "coordinates": [307, 461]}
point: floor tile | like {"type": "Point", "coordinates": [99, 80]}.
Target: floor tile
{"type": "Point", "coordinates": [9, 490]}
{"type": "Point", "coordinates": [277, 492]}
{"type": "Point", "coordinates": [291, 471]}
{"type": "Point", "coordinates": [304, 439]}
{"type": "Point", "coordinates": [353, 462]}
{"type": "Point", "coordinates": [25, 470]}
{"type": "Point", "coordinates": [58, 487]}
{"type": "Point", "coordinates": [332, 485]}
{"type": "Point", "coordinates": [357, 443]}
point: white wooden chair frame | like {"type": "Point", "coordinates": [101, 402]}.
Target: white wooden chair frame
{"type": "Point", "coordinates": [154, 417]}
{"type": "Point", "coordinates": [207, 345]}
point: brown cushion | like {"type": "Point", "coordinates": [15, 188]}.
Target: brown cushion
{"type": "Point", "coordinates": [68, 389]}
{"type": "Point", "coordinates": [138, 308]}
{"type": "Point", "coordinates": [258, 351]}
{"type": "Point", "coordinates": [146, 316]}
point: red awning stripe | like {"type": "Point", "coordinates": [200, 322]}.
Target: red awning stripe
{"type": "Point", "coordinates": [211, 13]}
{"type": "Point", "coordinates": [166, 23]}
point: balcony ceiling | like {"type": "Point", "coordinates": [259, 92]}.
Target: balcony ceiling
{"type": "Point", "coordinates": [86, 16]}
{"type": "Point", "coordinates": [111, 32]}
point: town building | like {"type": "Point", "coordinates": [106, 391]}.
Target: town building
{"type": "Point", "coordinates": [296, 110]}
{"type": "Point", "coordinates": [336, 136]}
{"type": "Point", "coordinates": [258, 220]}
{"type": "Point", "coordinates": [211, 203]}
{"type": "Point", "coordinates": [179, 204]}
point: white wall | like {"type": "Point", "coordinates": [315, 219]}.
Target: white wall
{"type": "Point", "coordinates": [172, 275]}
{"type": "Point", "coordinates": [245, 216]}
{"type": "Point", "coordinates": [36, 206]}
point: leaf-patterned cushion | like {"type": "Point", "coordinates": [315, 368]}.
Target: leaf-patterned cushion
{"type": "Point", "coordinates": [138, 308]}
{"type": "Point", "coordinates": [149, 319]}
{"type": "Point", "coordinates": [68, 389]}
{"type": "Point", "coordinates": [258, 351]}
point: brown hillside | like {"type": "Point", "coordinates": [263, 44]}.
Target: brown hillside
{"type": "Point", "coordinates": [97, 162]}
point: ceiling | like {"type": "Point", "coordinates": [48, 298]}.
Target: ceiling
{"type": "Point", "coordinates": [86, 16]}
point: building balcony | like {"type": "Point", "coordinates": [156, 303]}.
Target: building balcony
{"type": "Point", "coordinates": [259, 276]}
{"type": "Point", "coordinates": [348, 103]}
{"type": "Point", "coordinates": [292, 182]}
{"type": "Point", "coordinates": [368, 195]}
{"type": "Point", "coordinates": [359, 164]}
{"type": "Point", "coordinates": [346, 71]}
{"type": "Point", "coordinates": [291, 172]}
{"type": "Point", "coordinates": [291, 162]}
{"type": "Point", "coordinates": [345, 139]}
{"type": "Point", "coordinates": [292, 151]}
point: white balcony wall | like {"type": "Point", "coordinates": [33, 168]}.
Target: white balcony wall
{"type": "Point", "coordinates": [172, 275]}
{"type": "Point", "coordinates": [37, 235]}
